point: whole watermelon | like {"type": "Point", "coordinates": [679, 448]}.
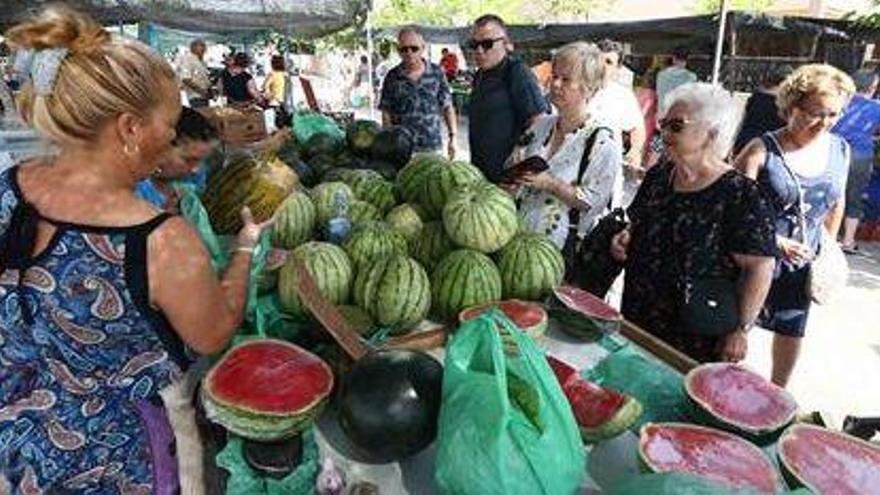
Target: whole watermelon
{"type": "Point", "coordinates": [322, 163]}
{"type": "Point", "coordinates": [378, 192]}
{"type": "Point", "coordinates": [394, 145]}
{"type": "Point", "coordinates": [531, 267]}
{"type": "Point", "coordinates": [358, 176]}
{"type": "Point", "coordinates": [431, 245]}
{"type": "Point", "coordinates": [347, 159]}
{"type": "Point", "coordinates": [321, 144]}
{"type": "Point", "coordinates": [324, 196]}
{"type": "Point", "coordinates": [481, 216]}
{"type": "Point", "coordinates": [245, 181]}
{"type": "Point", "coordinates": [387, 170]}
{"type": "Point", "coordinates": [441, 182]}
{"type": "Point", "coordinates": [294, 222]}
{"type": "Point", "coordinates": [411, 179]}
{"type": "Point", "coordinates": [329, 267]}
{"type": "Point", "coordinates": [361, 212]}
{"type": "Point", "coordinates": [360, 135]}
{"type": "Point", "coordinates": [405, 220]}
{"type": "Point", "coordinates": [371, 242]}
{"type": "Point", "coordinates": [395, 291]}
{"type": "Point", "coordinates": [464, 278]}
{"type": "Point", "coordinates": [341, 174]}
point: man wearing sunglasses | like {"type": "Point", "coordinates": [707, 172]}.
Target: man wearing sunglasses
{"type": "Point", "coordinates": [415, 94]}
{"type": "Point", "coordinates": [505, 98]}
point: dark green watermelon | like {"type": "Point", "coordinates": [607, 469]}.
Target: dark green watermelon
{"type": "Point", "coordinates": [304, 171]}
{"type": "Point", "coordinates": [360, 135]}
{"type": "Point", "coordinates": [347, 159]}
{"type": "Point", "coordinates": [394, 145]}
{"type": "Point", "coordinates": [323, 163]}
{"type": "Point", "coordinates": [321, 144]}
{"type": "Point", "coordinates": [387, 169]}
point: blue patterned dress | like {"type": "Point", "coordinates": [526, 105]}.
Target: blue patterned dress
{"type": "Point", "coordinates": [83, 359]}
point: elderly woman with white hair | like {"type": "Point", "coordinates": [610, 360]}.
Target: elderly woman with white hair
{"type": "Point", "coordinates": [699, 251]}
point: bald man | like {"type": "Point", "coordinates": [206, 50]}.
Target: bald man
{"type": "Point", "coordinates": [415, 95]}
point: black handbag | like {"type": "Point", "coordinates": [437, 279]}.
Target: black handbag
{"type": "Point", "coordinates": [709, 306]}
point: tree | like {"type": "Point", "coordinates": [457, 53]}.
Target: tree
{"type": "Point", "coordinates": [712, 6]}
{"type": "Point", "coordinates": [462, 12]}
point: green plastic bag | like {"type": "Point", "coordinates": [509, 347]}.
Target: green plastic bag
{"type": "Point", "coordinates": [505, 426]}
{"type": "Point", "coordinates": [307, 124]}
{"type": "Point", "coordinates": [244, 481]}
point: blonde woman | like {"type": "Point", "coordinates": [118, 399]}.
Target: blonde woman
{"type": "Point", "coordinates": [802, 170]}
{"type": "Point", "coordinates": [94, 314]}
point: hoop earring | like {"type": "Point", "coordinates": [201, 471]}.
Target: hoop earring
{"type": "Point", "coordinates": [128, 151]}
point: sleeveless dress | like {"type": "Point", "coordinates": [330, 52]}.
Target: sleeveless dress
{"type": "Point", "coordinates": [788, 304]}
{"type": "Point", "coordinates": [85, 361]}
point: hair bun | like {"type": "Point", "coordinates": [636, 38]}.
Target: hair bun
{"type": "Point", "coordinates": [59, 27]}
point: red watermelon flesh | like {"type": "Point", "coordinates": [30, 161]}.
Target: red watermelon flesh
{"type": "Point", "coordinates": [530, 317]}
{"type": "Point", "coordinates": [586, 303]}
{"type": "Point", "coordinates": [708, 453]}
{"type": "Point", "coordinates": [828, 462]}
{"type": "Point", "coordinates": [739, 397]}
{"type": "Point", "coordinates": [269, 377]}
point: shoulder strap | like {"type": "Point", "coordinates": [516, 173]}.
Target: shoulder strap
{"type": "Point", "coordinates": [574, 214]}
{"type": "Point", "coordinates": [802, 221]}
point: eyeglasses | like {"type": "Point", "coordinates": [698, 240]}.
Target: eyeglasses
{"type": "Point", "coordinates": [409, 49]}
{"type": "Point", "coordinates": [486, 45]}
{"type": "Point", "coordinates": [819, 114]}
{"type": "Point", "coordinates": [675, 125]}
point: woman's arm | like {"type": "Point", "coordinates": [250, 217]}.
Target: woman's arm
{"type": "Point", "coordinates": [835, 217]}
{"type": "Point", "coordinates": [751, 158]}
{"type": "Point", "coordinates": [252, 90]}
{"type": "Point", "coordinates": [752, 288]}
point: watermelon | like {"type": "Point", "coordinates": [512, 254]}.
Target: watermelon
{"type": "Point", "coordinates": [708, 453]}
{"type": "Point", "coordinates": [736, 399]}
{"type": "Point", "coordinates": [379, 192]}
{"type": "Point", "coordinates": [431, 246]}
{"type": "Point", "coordinates": [371, 242]}
{"type": "Point", "coordinates": [360, 135]}
{"type": "Point", "coordinates": [355, 177]}
{"type": "Point", "coordinates": [531, 267]}
{"type": "Point", "coordinates": [480, 217]}
{"type": "Point", "coordinates": [325, 196]}
{"type": "Point", "coordinates": [588, 305]}
{"type": "Point", "coordinates": [260, 185]}
{"type": "Point", "coordinates": [327, 264]}
{"type": "Point", "coordinates": [387, 170]}
{"type": "Point", "coordinates": [321, 144]}
{"type": "Point", "coordinates": [828, 462]}
{"type": "Point", "coordinates": [404, 219]}
{"type": "Point", "coordinates": [393, 144]}
{"type": "Point", "coordinates": [266, 389]}
{"type": "Point", "coordinates": [395, 291]}
{"type": "Point", "coordinates": [411, 179]}
{"type": "Point", "coordinates": [347, 159]}
{"type": "Point", "coordinates": [441, 182]}
{"type": "Point", "coordinates": [601, 413]}
{"type": "Point", "coordinates": [294, 222]}
{"type": "Point", "coordinates": [361, 213]}
{"type": "Point", "coordinates": [464, 278]}
{"type": "Point", "coordinates": [529, 317]}
{"type": "Point", "coordinates": [322, 164]}
{"type": "Point", "coordinates": [341, 174]}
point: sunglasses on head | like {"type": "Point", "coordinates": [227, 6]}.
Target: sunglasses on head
{"type": "Point", "coordinates": [486, 45]}
{"type": "Point", "coordinates": [675, 125]}
{"type": "Point", "coordinates": [409, 49]}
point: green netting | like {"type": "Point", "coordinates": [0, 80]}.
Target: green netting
{"type": "Point", "coordinates": [245, 481]}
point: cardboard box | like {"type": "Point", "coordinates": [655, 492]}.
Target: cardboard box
{"type": "Point", "coordinates": [237, 126]}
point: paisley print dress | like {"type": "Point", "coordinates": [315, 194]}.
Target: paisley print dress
{"type": "Point", "coordinates": [84, 359]}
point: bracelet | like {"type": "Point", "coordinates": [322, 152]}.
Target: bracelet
{"type": "Point", "coordinates": [245, 249]}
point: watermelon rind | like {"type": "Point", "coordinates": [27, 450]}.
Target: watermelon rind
{"type": "Point", "coordinates": [619, 422]}
{"type": "Point", "coordinates": [599, 309]}
{"type": "Point", "coordinates": [262, 425]}
{"type": "Point", "coordinates": [705, 413]}
{"type": "Point", "coordinates": [533, 331]}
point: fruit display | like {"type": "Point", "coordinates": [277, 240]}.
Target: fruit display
{"type": "Point", "coordinates": [325, 195]}
{"type": "Point", "coordinates": [405, 220]}
{"type": "Point", "coordinates": [464, 278]}
{"type": "Point", "coordinates": [372, 242]}
{"type": "Point", "coordinates": [441, 182]}
{"type": "Point", "coordinates": [362, 213]}
{"type": "Point", "coordinates": [376, 191]}
{"type": "Point", "coordinates": [395, 291]}
{"type": "Point", "coordinates": [329, 266]}
{"type": "Point", "coordinates": [432, 245]}
{"type": "Point", "coordinates": [412, 178]}
{"type": "Point", "coordinates": [480, 217]}
{"type": "Point", "coordinates": [266, 389]}
{"type": "Point", "coordinates": [531, 267]}
{"type": "Point", "coordinates": [527, 316]}
{"type": "Point", "coordinates": [295, 221]}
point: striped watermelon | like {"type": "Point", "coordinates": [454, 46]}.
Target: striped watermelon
{"type": "Point", "coordinates": [327, 264]}
{"type": "Point", "coordinates": [371, 242]}
{"type": "Point", "coordinates": [341, 174]}
{"type": "Point", "coordinates": [260, 185]}
{"type": "Point", "coordinates": [481, 217]}
{"type": "Point", "coordinates": [404, 219]}
{"type": "Point", "coordinates": [411, 177]}
{"type": "Point", "coordinates": [379, 192]}
{"type": "Point", "coordinates": [441, 182]}
{"type": "Point", "coordinates": [324, 195]}
{"type": "Point", "coordinates": [395, 291]}
{"type": "Point", "coordinates": [531, 267]}
{"type": "Point", "coordinates": [294, 222]}
{"type": "Point", "coordinates": [464, 278]}
{"type": "Point", "coordinates": [431, 245]}
{"type": "Point", "coordinates": [361, 213]}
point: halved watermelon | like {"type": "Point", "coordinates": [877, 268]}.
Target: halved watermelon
{"type": "Point", "coordinates": [708, 453]}
{"type": "Point", "coordinates": [266, 389]}
{"type": "Point", "coordinates": [601, 413]}
{"type": "Point", "coordinates": [827, 462]}
{"type": "Point", "coordinates": [529, 317]}
{"type": "Point", "coordinates": [737, 399]}
{"type": "Point", "coordinates": [586, 304]}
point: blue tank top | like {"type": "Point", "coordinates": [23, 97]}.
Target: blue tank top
{"type": "Point", "coordinates": [83, 358]}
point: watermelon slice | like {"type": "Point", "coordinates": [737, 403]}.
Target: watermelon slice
{"type": "Point", "coordinates": [266, 389]}
{"type": "Point", "coordinates": [739, 400]}
{"type": "Point", "coordinates": [708, 453]}
{"type": "Point", "coordinates": [601, 413]}
{"type": "Point", "coordinates": [597, 311]}
{"type": "Point", "coordinates": [827, 462]}
{"type": "Point", "coordinates": [529, 317]}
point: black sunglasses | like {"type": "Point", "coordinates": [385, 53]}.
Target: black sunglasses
{"type": "Point", "coordinates": [486, 45]}
{"type": "Point", "coordinates": [673, 125]}
{"type": "Point", "coordinates": [408, 49]}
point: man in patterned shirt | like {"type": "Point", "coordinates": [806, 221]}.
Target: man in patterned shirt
{"type": "Point", "coordinates": [415, 95]}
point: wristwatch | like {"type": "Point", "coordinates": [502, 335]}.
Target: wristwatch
{"type": "Point", "coordinates": [744, 327]}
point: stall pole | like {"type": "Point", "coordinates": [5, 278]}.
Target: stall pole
{"type": "Point", "coordinates": [719, 43]}
{"type": "Point", "coordinates": [371, 93]}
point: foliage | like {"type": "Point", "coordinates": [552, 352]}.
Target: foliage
{"type": "Point", "coordinates": [712, 6]}
{"type": "Point", "coordinates": [462, 12]}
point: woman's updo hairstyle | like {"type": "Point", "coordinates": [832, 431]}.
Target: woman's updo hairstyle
{"type": "Point", "coordinates": [100, 78]}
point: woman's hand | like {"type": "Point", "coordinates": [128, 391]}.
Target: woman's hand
{"type": "Point", "coordinates": [793, 251]}
{"type": "Point", "coordinates": [620, 245]}
{"type": "Point", "coordinates": [542, 181]}
{"type": "Point", "coordinates": [249, 235]}
{"type": "Point", "coordinates": [734, 346]}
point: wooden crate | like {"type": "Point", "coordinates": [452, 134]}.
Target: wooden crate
{"type": "Point", "coordinates": [237, 126]}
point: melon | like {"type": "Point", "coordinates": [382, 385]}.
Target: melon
{"type": "Point", "coordinates": [481, 217]}
{"type": "Point", "coordinates": [528, 317]}
{"type": "Point", "coordinates": [295, 221]}
{"type": "Point", "coordinates": [431, 245]}
{"type": "Point", "coordinates": [354, 177]}
{"type": "Point", "coordinates": [441, 182]}
{"type": "Point", "coordinates": [266, 389]}
{"type": "Point", "coordinates": [361, 213]}
{"type": "Point", "coordinates": [595, 311]}
{"type": "Point", "coordinates": [393, 144]}
{"type": "Point", "coordinates": [601, 413]}
{"type": "Point", "coordinates": [405, 220]}
{"type": "Point", "coordinates": [325, 197]}
{"type": "Point", "coordinates": [341, 174]}
{"type": "Point", "coordinates": [828, 462]}
{"type": "Point", "coordinates": [395, 291]}
{"type": "Point", "coordinates": [378, 192]}
{"type": "Point", "coordinates": [411, 179]}
{"type": "Point", "coordinates": [712, 454]}
{"type": "Point", "coordinates": [360, 135]}
{"type": "Point", "coordinates": [373, 241]}
{"type": "Point", "coordinates": [734, 398]}
{"type": "Point", "coordinates": [464, 278]}
{"type": "Point", "coordinates": [531, 267]}
{"type": "Point", "coordinates": [260, 185]}
{"type": "Point", "coordinates": [327, 264]}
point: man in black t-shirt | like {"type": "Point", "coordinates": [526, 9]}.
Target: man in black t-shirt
{"type": "Point", "coordinates": [504, 100]}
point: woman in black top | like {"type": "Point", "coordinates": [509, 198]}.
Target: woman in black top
{"type": "Point", "coordinates": [762, 114]}
{"type": "Point", "coordinates": [695, 219]}
{"type": "Point", "coordinates": [238, 83]}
